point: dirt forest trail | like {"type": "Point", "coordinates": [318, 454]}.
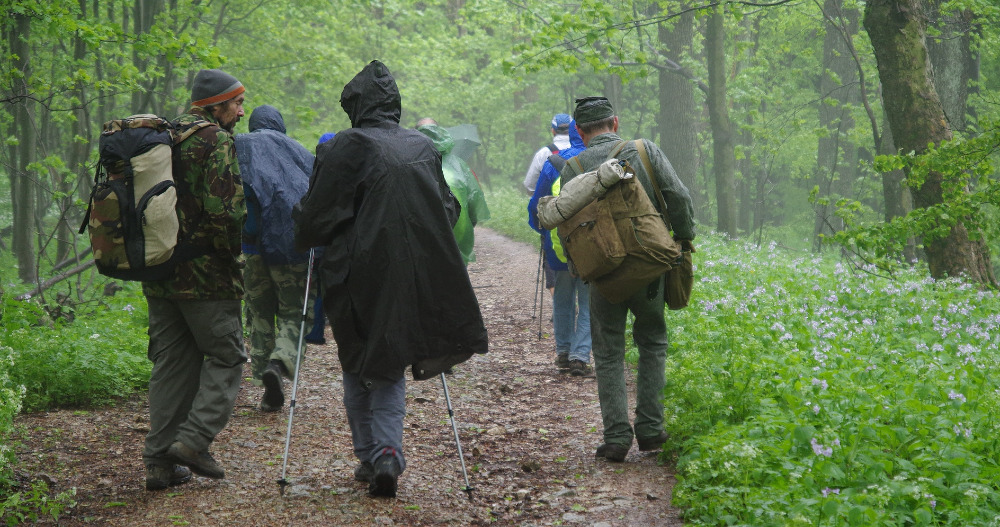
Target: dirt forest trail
{"type": "Point", "coordinates": [528, 434]}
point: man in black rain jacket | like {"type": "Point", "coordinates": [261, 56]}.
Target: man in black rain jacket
{"type": "Point", "coordinates": [396, 289]}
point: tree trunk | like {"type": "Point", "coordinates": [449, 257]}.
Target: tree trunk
{"type": "Point", "coordinates": [953, 60]}
{"type": "Point", "coordinates": [898, 201]}
{"type": "Point", "coordinates": [678, 136]}
{"type": "Point", "coordinates": [836, 155]}
{"type": "Point", "coordinates": [748, 38]}
{"type": "Point", "coordinates": [79, 152]}
{"type": "Point", "coordinates": [143, 15]}
{"type": "Point", "coordinates": [613, 91]}
{"type": "Point", "coordinates": [22, 182]}
{"type": "Point", "coordinates": [723, 154]}
{"type": "Point", "coordinates": [526, 134]}
{"type": "Point", "coordinates": [896, 28]}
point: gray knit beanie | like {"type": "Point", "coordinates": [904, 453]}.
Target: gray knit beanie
{"type": "Point", "coordinates": [214, 86]}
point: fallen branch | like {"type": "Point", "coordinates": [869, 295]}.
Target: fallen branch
{"type": "Point", "coordinates": [56, 279]}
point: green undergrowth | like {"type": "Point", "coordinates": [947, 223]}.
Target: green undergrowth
{"type": "Point", "coordinates": [58, 358]}
{"type": "Point", "coordinates": [509, 212]}
{"type": "Point", "coordinates": [801, 391]}
{"type": "Point", "coordinates": [96, 358]}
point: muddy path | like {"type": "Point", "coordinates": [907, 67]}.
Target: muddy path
{"type": "Point", "coordinates": [528, 434]}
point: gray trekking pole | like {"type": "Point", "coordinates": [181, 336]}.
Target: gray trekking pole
{"type": "Point", "coordinates": [282, 483]}
{"type": "Point", "coordinates": [458, 443]}
{"type": "Point", "coordinates": [538, 276]}
{"type": "Point", "coordinates": [541, 311]}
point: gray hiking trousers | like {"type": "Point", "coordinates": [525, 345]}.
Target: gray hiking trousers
{"type": "Point", "coordinates": [196, 347]}
{"type": "Point", "coordinates": [376, 418]}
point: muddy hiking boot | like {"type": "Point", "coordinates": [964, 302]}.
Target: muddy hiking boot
{"type": "Point", "coordinates": [274, 390]}
{"type": "Point", "coordinates": [652, 443]}
{"type": "Point", "coordinates": [159, 477]}
{"type": "Point", "coordinates": [578, 368]}
{"type": "Point", "coordinates": [562, 362]}
{"type": "Point", "coordinates": [612, 452]}
{"type": "Point", "coordinates": [201, 463]}
{"type": "Point", "coordinates": [385, 474]}
{"type": "Point", "coordinates": [364, 472]}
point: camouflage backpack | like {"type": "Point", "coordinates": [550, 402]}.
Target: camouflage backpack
{"type": "Point", "coordinates": [131, 216]}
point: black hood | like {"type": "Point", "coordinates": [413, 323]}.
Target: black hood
{"type": "Point", "coordinates": [372, 98]}
{"type": "Point", "coordinates": [266, 117]}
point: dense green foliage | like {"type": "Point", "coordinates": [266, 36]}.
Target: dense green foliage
{"type": "Point", "coordinates": [92, 360]}
{"type": "Point", "coordinates": [804, 392]}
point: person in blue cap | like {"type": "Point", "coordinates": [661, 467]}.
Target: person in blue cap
{"type": "Point", "coordinates": [570, 296]}
{"type": "Point", "coordinates": [560, 141]}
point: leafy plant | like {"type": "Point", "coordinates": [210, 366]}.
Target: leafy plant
{"type": "Point", "coordinates": [804, 392]}
{"type": "Point", "coordinates": [34, 504]}
{"type": "Point", "coordinates": [90, 361]}
{"type": "Point", "coordinates": [11, 395]}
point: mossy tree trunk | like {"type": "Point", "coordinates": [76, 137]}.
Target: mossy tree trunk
{"type": "Point", "coordinates": [678, 111]}
{"type": "Point", "coordinates": [916, 117]}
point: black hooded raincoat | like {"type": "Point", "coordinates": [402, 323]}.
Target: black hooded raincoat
{"type": "Point", "coordinates": [396, 290]}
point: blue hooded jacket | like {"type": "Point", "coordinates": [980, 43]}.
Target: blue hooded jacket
{"type": "Point", "coordinates": [543, 188]}
{"type": "Point", "coordinates": [275, 171]}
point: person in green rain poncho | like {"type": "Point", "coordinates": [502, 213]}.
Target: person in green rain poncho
{"type": "Point", "coordinates": [464, 185]}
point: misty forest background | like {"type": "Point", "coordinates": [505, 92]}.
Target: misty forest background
{"type": "Point", "coordinates": [782, 117]}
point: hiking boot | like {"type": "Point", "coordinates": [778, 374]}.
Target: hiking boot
{"type": "Point", "coordinates": [274, 392]}
{"type": "Point", "coordinates": [201, 463]}
{"type": "Point", "coordinates": [385, 472]}
{"type": "Point", "coordinates": [612, 452]}
{"type": "Point", "coordinates": [159, 477]}
{"type": "Point", "coordinates": [364, 472]}
{"type": "Point", "coordinates": [578, 368]}
{"type": "Point", "coordinates": [652, 443]}
{"type": "Point", "coordinates": [562, 361]}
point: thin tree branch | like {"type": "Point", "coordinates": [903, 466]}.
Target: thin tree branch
{"type": "Point", "coordinates": [56, 279]}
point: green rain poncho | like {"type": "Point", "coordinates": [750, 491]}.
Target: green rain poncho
{"type": "Point", "coordinates": [464, 185]}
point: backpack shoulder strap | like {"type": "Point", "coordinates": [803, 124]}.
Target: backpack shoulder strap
{"type": "Point", "coordinates": [557, 162]}
{"type": "Point", "coordinates": [574, 165]}
{"type": "Point", "coordinates": [553, 148]}
{"type": "Point", "coordinates": [618, 149]}
{"type": "Point", "coordinates": [640, 145]}
{"type": "Point", "coordinates": [181, 133]}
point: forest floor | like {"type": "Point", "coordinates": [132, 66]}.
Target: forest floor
{"type": "Point", "coordinates": [528, 434]}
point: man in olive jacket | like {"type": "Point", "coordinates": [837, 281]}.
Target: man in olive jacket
{"type": "Point", "coordinates": [598, 126]}
{"type": "Point", "coordinates": [396, 289]}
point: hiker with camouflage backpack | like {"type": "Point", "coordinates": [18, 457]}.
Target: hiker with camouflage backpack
{"type": "Point", "coordinates": [195, 329]}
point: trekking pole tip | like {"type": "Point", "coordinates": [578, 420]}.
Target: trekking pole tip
{"type": "Point", "coordinates": [282, 483]}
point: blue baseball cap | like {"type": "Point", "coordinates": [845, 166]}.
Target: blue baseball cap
{"type": "Point", "coordinates": [561, 121]}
